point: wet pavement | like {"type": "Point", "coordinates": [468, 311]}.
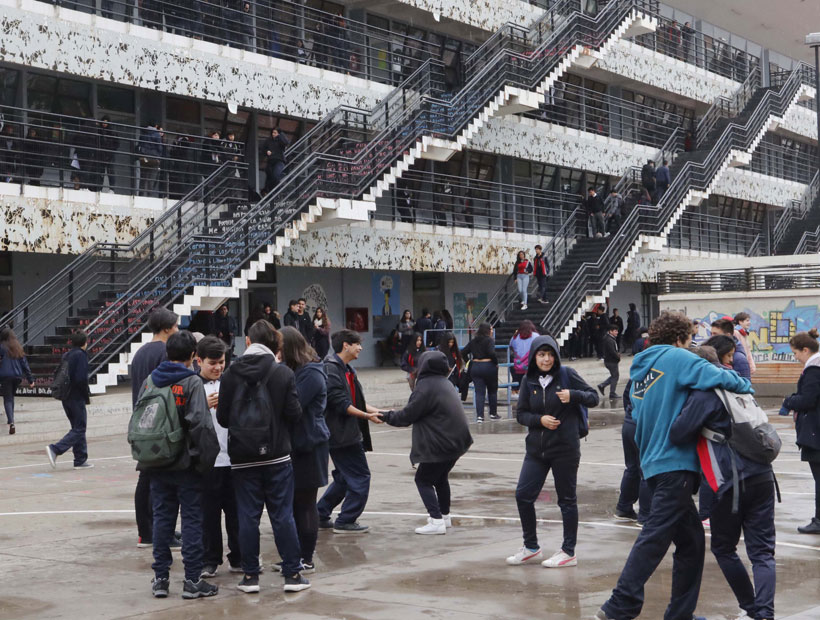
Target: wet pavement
{"type": "Point", "coordinates": [68, 543]}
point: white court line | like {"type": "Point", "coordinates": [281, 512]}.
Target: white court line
{"type": "Point", "coordinates": [102, 458]}
{"type": "Point", "coordinates": [377, 513]}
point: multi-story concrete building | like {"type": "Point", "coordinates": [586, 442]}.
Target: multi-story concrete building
{"type": "Point", "coordinates": [428, 143]}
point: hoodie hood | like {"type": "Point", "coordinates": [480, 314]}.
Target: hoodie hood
{"type": "Point", "coordinates": [432, 363]}
{"type": "Point", "coordinates": [539, 342]}
{"type": "Point", "coordinates": [814, 360]}
{"type": "Point", "coordinates": [168, 373]}
{"type": "Point", "coordinates": [255, 364]}
{"type": "Point", "coordinates": [643, 362]}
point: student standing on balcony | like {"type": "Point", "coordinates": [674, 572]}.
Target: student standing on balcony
{"type": "Point", "coordinates": [13, 367]}
{"type": "Point", "coordinates": [483, 370]}
{"type": "Point", "coordinates": [521, 272]}
{"type": "Point", "coordinates": [274, 150]}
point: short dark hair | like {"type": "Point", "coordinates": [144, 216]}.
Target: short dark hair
{"type": "Point", "coordinates": [78, 338]}
{"type": "Point", "coordinates": [292, 303]}
{"type": "Point", "coordinates": [727, 326]}
{"type": "Point", "coordinates": [721, 344]}
{"type": "Point", "coordinates": [670, 328]}
{"type": "Point", "coordinates": [210, 347]}
{"type": "Point", "coordinates": [262, 332]}
{"type": "Point", "coordinates": [538, 247]}
{"type": "Point", "coordinates": [741, 316]}
{"type": "Point", "coordinates": [612, 327]}
{"type": "Point", "coordinates": [590, 189]}
{"type": "Point", "coordinates": [180, 346]}
{"type": "Point", "coordinates": [342, 337]}
{"type": "Point", "coordinates": [424, 312]}
{"type": "Point", "coordinates": [160, 319]}
{"type": "Point", "coordinates": [665, 162]}
{"type": "Point", "coordinates": [301, 299]}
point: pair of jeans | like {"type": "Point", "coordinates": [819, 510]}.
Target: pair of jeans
{"type": "Point", "coordinates": [530, 482]}
{"type": "Point", "coordinates": [173, 493]}
{"type": "Point", "coordinates": [542, 287]}
{"type": "Point", "coordinates": [612, 380]}
{"type": "Point", "coordinates": [273, 174]}
{"type": "Point", "coordinates": [269, 486]}
{"type": "Point", "coordinates": [598, 225]}
{"type": "Point", "coordinates": [143, 507]}
{"type": "Point", "coordinates": [485, 380]}
{"type": "Point", "coordinates": [217, 497]}
{"type": "Point", "coordinates": [434, 487]}
{"type": "Point", "coordinates": [8, 386]}
{"type": "Point", "coordinates": [755, 516]}
{"type": "Point", "coordinates": [522, 281]}
{"type": "Point", "coordinates": [633, 486]}
{"type": "Point", "coordinates": [75, 438]}
{"type": "Point", "coordinates": [351, 485]}
{"type": "Point", "coordinates": [673, 518]}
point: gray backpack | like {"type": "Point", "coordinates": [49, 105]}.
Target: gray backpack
{"type": "Point", "coordinates": [752, 435]}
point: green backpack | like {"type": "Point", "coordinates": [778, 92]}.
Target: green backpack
{"type": "Point", "coordinates": [155, 431]}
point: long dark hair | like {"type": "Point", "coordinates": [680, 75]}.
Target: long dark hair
{"type": "Point", "coordinates": [325, 320]}
{"type": "Point", "coordinates": [444, 346]}
{"type": "Point", "coordinates": [13, 346]}
{"type": "Point", "coordinates": [407, 314]}
{"type": "Point", "coordinates": [485, 329]}
{"type": "Point", "coordinates": [412, 346]}
{"type": "Point", "coordinates": [296, 352]}
{"type": "Point", "coordinates": [526, 329]}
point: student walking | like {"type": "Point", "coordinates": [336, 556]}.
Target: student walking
{"type": "Point", "coordinates": [521, 272]}
{"type": "Point", "coordinates": [633, 326]}
{"type": "Point", "coordinates": [174, 395]}
{"type": "Point", "coordinates": [309, 440]}
{"type": "Point", "coordinates": [805, 406]}
{"type": "Point", "coordinates": [484, 370]}
{"type": "Point", "coordinates": [740, 363]}
{"type": "Point", "coordinates": [541, 269]}
{"type": "Point", "coordinates": [74, 404]}
{"type": "Point", "coordinates": [410, 358]}
{"type": "Point", "coordinates": [612, 358]}
{"type": "Point", "coordinates": [449, 346]}
{"type": "Point", "coordinates": [733, 478]}
{"type": "Point", "coordinates": [633, 485]}
{"type": "Point", "coordinates": [13, 367]}
{"type": "Point", "coordinates": [440, 437]}
{"type": "Point", "coordinates": [595, 213]}
{"type": "Point", "coordinates": [162, 323]}
{"type": "Point", "coordinates": [662, 376]}
{"type": "Point", "coordinates": [347, 415]}
{"type": "Point", "coordinates": [406, 327]}
{"type": "Point", "coordinates": [259, 393]}
{"type": "Point", "coordinates": [551, 404]}
{"type": "Point", "coordinates": [520, 345]}
{"type": "Point", "coordinates": [218, 495]}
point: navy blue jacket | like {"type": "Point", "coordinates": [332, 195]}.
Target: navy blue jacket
{"type": "Point", "coordinates": [12, 368]}
{"type": "Point", "coordinates": [806, 403]}
{"type": "Point", "coordinates": [311, 429]}
{"type": "Point", "coordinates": [740, 363]}
{"type": "Point", "coordinates": [78, 375]}
{"type": "Point", "coordinates": [705, 409]}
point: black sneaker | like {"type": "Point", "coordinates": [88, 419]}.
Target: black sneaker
{"type": "Point", "coordinates": [144, 543]}
{"type": "Point", "coordinates": [159, 587]}
{"type": "Point", "coordinates": [601, 390]}
{"type": "Point", "coordinates": [249, 584]}
{"type": "Point", "coordinates": [308, 568]}
{"type": "Point", "coordinates": [495, 416]}
{"type": "Point", "coordinates": [479, 420]}
{"type": "Point", "coordinates": [296, 583]}
{"type": "Point", "coordinates": [235, 569]}
{"type": "Point", "coordinates": [199, 589]}
{"type": "Point", "coordinates": [304, 567]}
{"type": "Point", "coordinates": [812, 528]}
{"type": "Point", "coordinates": [326, 524]}
{"type": "Point", "coordinates": [629, 515]}
{"type": "Point", "coordinates": [350, 528]}
{"type": "Point", "coordinates": [209, 570]}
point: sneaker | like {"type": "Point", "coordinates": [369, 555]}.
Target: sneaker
{"type": "Point", "coordinates": [601, 390]}
{"type": "Point", "coordinates": [601, 615]}
{"type": "Point", "coordinates": [52, 457]}
{"type": "Point", "coordinates": [448, 522]}
{"type": "Point", "coordinates": [85, 465]}
{"type": "Point", "coordinates": [812, 528]}
{"type": "Point", "coordinates": [235, 569]}
{"type": "Point", "coordinates": [144, 543]}
{"type": "Point", "coordinates": [199, 589]}
{"type": "Point", "coordinates": [523, 306]}
{"type": "Point", "coordinates": [296, 583]}
{"type": "Point", "coordinates": [249, 584]}
{"type": "Point", "coordinates": [277, 567]}
{"type": "Point", "coordinates": [495, 416]}
{"type": "Point", "coordinates": [434, 526]}
{"type": "Point", "coordinates": [706, 524]}
{"type": "Point", "coordinates": [479, 421]}
{"type": "Point", "coordinates": [208, 571]}
{"type": "Point", "coordinates": [308, 568]}
{"type": "Point", "coordinates": [159, 587]}
{"type": "Point", "coordinates": [560, 560]}
{"type": "Point", "coordinates": [326, 524]}
{"type": "Point", "coordinates": [523, 556]}
{"type": "Point", "coordinates": [640, 522]}
{"type": "Point", "coordinates": [349, 528]}
{"type": "Point", "coordinates": [12, 429]}
{"type": "Point", "coordinates": [629, 515]}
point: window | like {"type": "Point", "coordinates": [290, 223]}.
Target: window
{"type": "Point", "coordinates": [481, 166]}
{"type": "Point", "coordinates": [183, 115]}
{"type": "Point", "coordinates": [59, 95]}
{"type": "Point", "coordinates": [9, 80]}
{"type": "Point", "coordinates": [112, 99]}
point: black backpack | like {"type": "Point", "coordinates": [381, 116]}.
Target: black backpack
{"type": "Point", "coordinates": [250, 435]}
{"type": "Point", "coordinates": [61, 384]}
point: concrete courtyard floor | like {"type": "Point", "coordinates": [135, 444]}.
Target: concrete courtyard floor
{"type": "Point", "coordinates": [68, 542]}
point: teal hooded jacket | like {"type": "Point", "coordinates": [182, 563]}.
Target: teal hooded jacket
{"type": "Point", "coordinates": [662, 377]}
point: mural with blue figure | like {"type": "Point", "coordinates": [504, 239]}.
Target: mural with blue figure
{"type": "Point", "coordinates": [770, 331]}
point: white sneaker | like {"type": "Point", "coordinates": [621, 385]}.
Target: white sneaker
{"type": "Point", "coordinates": [434, 526]}
{"type": "Point", "coordinates": [523, 556]}
{"type": "Point", "coordinates": [706, 524]}
{"type": "Point", "coordinates": [523, 306]}
{"type": "Point", "coordinates": [52, 457]}
{"type": "Point", "coordinates": [448, 522]}
{"type": "Point", "coordinates": [560, 560]}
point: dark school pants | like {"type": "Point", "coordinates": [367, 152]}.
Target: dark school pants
{"type": "Point", "coordinates": [218, 496]}
{"type": "Point", "coordinates": [673, 518]}
{"type": "Point", "coordinates": [530, 482]}
{"type": "Point", "coordinates": [633, 486]}
{"type": "Point", "coordinates": [542, 287]}
{"type": "Point", "coordinates": [350, 486]}
{"type": "Point", "coordinates": [432, 481]}
{"type": "Point", "coordinates": [485, 380]}
{"type": "Point", "coordinates": [75, 438]}
{"type": "Point", "coordinates": [612, 380]}
{"type": "Point", "coordinates": [175, 492]}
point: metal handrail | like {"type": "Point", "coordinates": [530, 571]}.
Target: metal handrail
{"type": "Point", "coordinates": [726, 107]}
{"type": "Point", "coordinates": [797, 276]}
{"type": "Point", "coordinates": [796, 210]}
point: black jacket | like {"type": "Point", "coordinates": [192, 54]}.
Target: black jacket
{"type": "Point", "coordinates": [78, 375]}
{"type": "Point", "coordinates": [633, 320]}
{"type": "Point", "coordinates": [594, 204]}
{"type": "Point", "coordinates": [291, 319]}
{"type": "Point", "coordinates": [311, 386]}
{"type": "Point", "coordinates": [423, 324]}
{"type": "Point", "coordinates": [618, 322]}
{"type": "Point", "coordinates": [806, 403]}
{"type": "Point", "coordinates": [480, 348]}
{"type": "Point", "coordinates": [440, 431]}
{"type": "Point", "coordinates": [345, 430]}
{"type": "Point", "coordinates": [541, 265]}
{"type": "Point", "coordinates": [610, 347]}
{"type": "Point", "coordinates": [535, 401]}
{"type": "Point", "coordinates": [277, 147]}
{"type": "Point", "coordinates": [281, 384]}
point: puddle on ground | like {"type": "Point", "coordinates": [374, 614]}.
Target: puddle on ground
{"type": "Point", "coordinates": [103, 524]}
{"type": "Point", "coordinates": [471, 475]}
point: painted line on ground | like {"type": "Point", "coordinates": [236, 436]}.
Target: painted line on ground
{"type": "Point", "coordinates": [379, 513]}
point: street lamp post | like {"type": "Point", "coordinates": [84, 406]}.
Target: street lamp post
{"type": "Point", "coordinates": [813, 41]}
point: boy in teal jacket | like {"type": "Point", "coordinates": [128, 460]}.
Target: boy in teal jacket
{"type": "Point", "coordinates": [662, 377]}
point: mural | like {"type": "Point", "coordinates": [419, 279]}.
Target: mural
{"type": "Point", "coordinates": [466, 306]}
{"type": "Point", "coordinates": [770, 332]}
{"type": "Point", "coordinates": [386, 300]}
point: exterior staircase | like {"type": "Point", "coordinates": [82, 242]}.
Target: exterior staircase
{"type": "Point", "coordinates": [337, 170]}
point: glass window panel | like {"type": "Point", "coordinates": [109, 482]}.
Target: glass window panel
{"type": "Point", "coordinates": [114, 99]}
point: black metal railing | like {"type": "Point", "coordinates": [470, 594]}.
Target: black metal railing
{"type": "Point", "coordinates": [798, 276]}
{"type": "Point", "coordinates": [796, 211]}
{"type": "Point", "coordinates": [785, 163]}
{"type": "Point", "coordinates": [57, 150]}
{"type": "Point", "coordinates": [343, 156]}
{"type": "Point", "coordinates": [727, 107]}
{"type": "Point", "coordinates": [710, 233]}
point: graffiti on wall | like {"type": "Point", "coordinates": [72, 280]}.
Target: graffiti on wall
{"type": "Point", "coordinates": [770, 331]}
